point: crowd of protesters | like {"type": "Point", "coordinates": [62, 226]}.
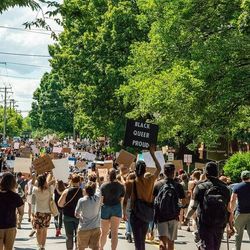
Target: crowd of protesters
{"type": "Point", "coordinates": [90, 209]}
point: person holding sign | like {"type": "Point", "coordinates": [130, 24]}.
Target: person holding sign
{"type": "Point", "coordinates": [41, 196]}
{"type": "Point", "coordinates": [140, 191]}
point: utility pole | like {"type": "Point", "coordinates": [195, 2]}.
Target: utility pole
{"type": "Point", "coordinates": [6, 91]}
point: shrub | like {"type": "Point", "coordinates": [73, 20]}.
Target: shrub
{"type": "Point", "coordinates": [236, 164]}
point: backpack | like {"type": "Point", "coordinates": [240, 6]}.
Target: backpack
{"type": "Point", "coordinates": [166, 204]}
{"type": "Point", "coordinates": [214, 211]}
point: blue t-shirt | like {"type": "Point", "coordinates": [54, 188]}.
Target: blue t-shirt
{"type": "Point", "coordinates": [243, 190]}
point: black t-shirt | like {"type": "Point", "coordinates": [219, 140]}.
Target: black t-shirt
{"type": "Point", "coordinates": [202, 187]}
{"type": "Point", "coordinates": [9, 202]}
{"type": "Point", "coordinates": [112, 193]}
{"type": "Point", "coordinates": [73, 195]}
{"type": "Point", "coordinates": [178, 187]}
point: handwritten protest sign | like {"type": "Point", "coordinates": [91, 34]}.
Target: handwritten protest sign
{"type": "Point", "coordinates": [22, 165]}
{"type": "Point", "coordinates": [43, 164]}
{"type": "Point", "coordinates": [140, 134]}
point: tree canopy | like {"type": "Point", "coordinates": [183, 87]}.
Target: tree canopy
{"type": "Point", "coordinates": [183, 64]}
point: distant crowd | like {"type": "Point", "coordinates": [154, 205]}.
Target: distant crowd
{"type": "Point", "coordinates": [90, 207]}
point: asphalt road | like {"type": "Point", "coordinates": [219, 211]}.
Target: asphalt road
{"type": "Point", "coordinates": [184, 241]}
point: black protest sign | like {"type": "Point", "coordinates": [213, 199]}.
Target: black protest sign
{"type": "Point", "coordinates": [140, 134]}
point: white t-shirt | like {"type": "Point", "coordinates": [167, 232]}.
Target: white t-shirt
{"type": "Point", "coordinates": [41, 199]}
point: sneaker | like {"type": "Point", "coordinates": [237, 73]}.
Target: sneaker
{"type": "Point", "coordinates": [129, 238]}
{"type": "Point", "coordinates": [32, 233]}
{"type": "Point", "coordinates": [19, 226]}
{"type": "Point", "coordinates": [29, 220]}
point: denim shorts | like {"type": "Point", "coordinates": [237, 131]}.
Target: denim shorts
{"type": "Point", "coordinates": [111, 211]}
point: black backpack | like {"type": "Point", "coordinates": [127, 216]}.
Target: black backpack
{"type": "Point", "coordinates": [166, 204]}
{"type": "Point", "coordinates": [214, 211]}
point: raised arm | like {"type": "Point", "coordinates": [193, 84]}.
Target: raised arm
{"type": "Point", "coordinates": [157, 164]}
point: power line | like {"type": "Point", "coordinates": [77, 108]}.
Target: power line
{"type": "Point", "coordinates": [24, 64]}
{"type": "Point", "coordinates": [20, 29]}
{"type": "Point", "coordinates": [21, 77]}
{"type": "Point", "coordinates": [20, 54]}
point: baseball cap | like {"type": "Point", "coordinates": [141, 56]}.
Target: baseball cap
{"type": "Point", "coordinates": [245, 174]}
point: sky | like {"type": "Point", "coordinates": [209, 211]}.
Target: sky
{"type": "Point", "coordinates": [22, 42]}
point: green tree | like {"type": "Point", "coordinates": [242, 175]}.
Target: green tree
{"type": "Point", "coordinates": [236, 164]}
{"type": "Point", "coordinates": [5, 4]}
{"type": "Point", "coordinates": [88, 59]}
{"type": "Point", "coordinates": [192, 76]}
{"type": "Point", "coordinates": [48, 111]}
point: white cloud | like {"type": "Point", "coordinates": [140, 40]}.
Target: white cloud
{"type": "Point", "coordinates": [27, 43]}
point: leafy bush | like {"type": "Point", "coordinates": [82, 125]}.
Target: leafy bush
{"type": "Point", "coordinates": [236, 164]}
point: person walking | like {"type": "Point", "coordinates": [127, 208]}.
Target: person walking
{"type": "Point", "coordinates": [88, 212]}
{"type": "Point", "coordinates": [10, 202]}
{"type": "Point", "coordinates": [167, 195]}
{"type": "Point", "coordinates": [41, 209]}
{"type": "Point", "coordinates": [140, 192]}
{"type": "Point", "coordinates": [68, 202]}
{"type": "Point", "coordinates": [212, 198]}
{"type": "Point", "coordinates": [111, 211]}
{"type": "Point", "coordinates": [59, 188]}
{"type": "Point", "coordinates": [242, 215]}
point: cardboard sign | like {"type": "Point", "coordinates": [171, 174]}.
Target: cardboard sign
{"type": "Point", "coordinates": [125, 158]}
{"type": "Point", "coordinates": [140, 134]}
{"type": "Point", "coordinates": [199, 165]}
{"type": "Point", "coordinates": [81, 165]}
{"type": "Point", "coordinates": [66, 150]}
{"type": "Point", "coordinates": [22, 165]}
{"type": "Point", "coordinates": [103, 172]}
{"type": "Point", "coordinates": [43, 164]}
{"type": "Point", "coordinates": [61, 170]}
{"type": "Point", "coordinates": [16, 145]}
{"type": "Point", "coordinates": [57, 150]}
{"type": "Point", "coordinates": [108, 164]}
{"type": "Point", "coordinates": [178, 165]}
{"type": "Point", "coordinates": [25, 152]}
